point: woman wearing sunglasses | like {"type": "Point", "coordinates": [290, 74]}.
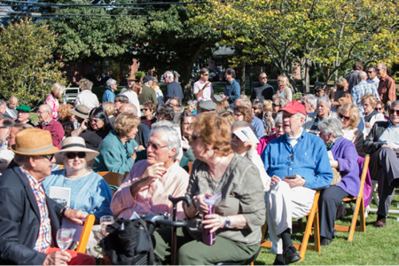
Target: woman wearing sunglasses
{"type": "Point", "coordinates": [88, 191]}
{"type": "Point", "coordinates": [369, 103]}
{"type": "Point", "coordinates": [349, 116]}
{"type": "Point", "coordinates": [148, 117]}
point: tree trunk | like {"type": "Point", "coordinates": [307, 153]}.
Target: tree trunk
{"type": "Point", "coordinates": [242, 78]}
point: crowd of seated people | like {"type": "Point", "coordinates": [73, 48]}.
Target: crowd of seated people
{"type": "Point", "coordinates": [267, 159]}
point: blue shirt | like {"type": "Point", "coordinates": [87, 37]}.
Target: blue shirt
{"type": "Point", "coordinates": [258, 127]}
{"type": "Point", "coordinates": [308, 158]}
{"type": "Point", "coordinates": [108, 96]}
{"type": "Point", "coordinates": [232, 90]}
{"type": "Point", "coordinates": [90, 193]}
{"type": "Point", "coordinates": [361, 89]}
{"type": "Point", "coordinates": [174, 90]}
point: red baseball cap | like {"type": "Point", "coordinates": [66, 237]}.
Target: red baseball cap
{"type": "Point", "coordinates": [294, 107]}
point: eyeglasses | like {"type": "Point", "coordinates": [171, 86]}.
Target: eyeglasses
{"type": "Point", "coordinates": [378, 69]}
{"type": "Point", "coordinates": [392, 111]}
{"type": "Point", "coordinates": [254, 108]}
{"type": "Point", "coordinates": [4, 126]}
{"type": "Point", "coordinates": [263, 77]}
{"type": "Point", "coordinates": [96, 121]}
{"type": "Point", "coordinates": [145, 109]}
{"type": "Point", "coordinates": [346, 118]}
{"type": "Point", "coordinates": [233, 136]}
{"type": "Point", "coordinates": [369, 72]}
{"type": "Point", "coordinates": [273, 104]}
{"type": "Point", "coordinates": [49, 157]}
{"type": "Point", "coordinates": [154, 145]}
{"type": "Point", "coordinates": [175, 105]}
{"type": "Point", "coordinates": [194, 138]}
{"type": "Point", "coordinates": [72, 155]}
{"type": "Point", "coordinates": [378, 108]}
{"type": "Point", "coordinates": [205, 74]}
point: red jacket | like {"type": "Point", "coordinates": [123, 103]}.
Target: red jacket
{"type": "Point", "coordinates": [56, 130]}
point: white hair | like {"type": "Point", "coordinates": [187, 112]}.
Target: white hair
{"type": "Point", "coordinates": [279, 118]}
{"type": "Point", "coordinates": [110, 82]}
{"type": "Point", "coordinates": [244, 102]}
{"type": "Point", "coordinates": [331, 125]}
{"type": "Point", "coordinates": [169, 75]}
{"type": "Point", "coordinates": [310, 99]}
{"type": "Point", "coordinates": [169, 134]}
{"type": "Point", "coordinates": [324, 99]}
{"type": "Point", "coordinates": [47, 108]}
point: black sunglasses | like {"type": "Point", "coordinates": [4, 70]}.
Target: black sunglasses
{"type": "Point", "coordinates": [72, 155]}
{"type": "Point", "coordinates": [49, 156]}
{"type": "Point", "coordinates": [344, 117]}
{"type": "Point", "coordinates": [378, 108]}
{"type": "Point", "coordinates": [393, 111]}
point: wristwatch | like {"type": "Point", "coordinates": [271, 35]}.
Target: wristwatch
{"type": "Point", "coordinates": [63, 211]}
{"type": "Point", "coordinates": [227, 222]}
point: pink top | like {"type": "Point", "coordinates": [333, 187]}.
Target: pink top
{"type": "Point", "coordinates": [54, 104]}
{"type": "Point", "coordinates": [153, 198]}
{"type": "Point", "coordinates": [263, 141]}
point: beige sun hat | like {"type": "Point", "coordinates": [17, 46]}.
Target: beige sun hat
{"type": "Point", "coordinates": [75, 144]}
{"type": "Point", "coordinates": [34, 141]}
{"type": "Point", "coordinates": [81, 110]}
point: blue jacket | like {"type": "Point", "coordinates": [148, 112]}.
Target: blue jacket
{"type": "Point", "coordinates": [258, 127]}
{"type": "Point", "coordinates": [174, 90]}
{"type": "Point", "coordinates": [308, 158]}
{"type": "Point", "coordinates": [108, 96]}
{"type": "Point", "coordinates": [232, 90]}
{"type": "Point", "coordinates": [113, 156]}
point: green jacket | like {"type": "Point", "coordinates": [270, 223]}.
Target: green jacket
{"type": "Point", "coordinates": [114, 157]}
{"type": "Point", "coordinates": [147, 94]}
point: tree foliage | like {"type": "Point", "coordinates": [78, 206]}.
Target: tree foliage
{"type": "Point", "coordinates": [307, 32]}
{"type": "Point", "coordinates": [27, 69]}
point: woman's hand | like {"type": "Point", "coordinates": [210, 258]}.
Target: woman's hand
{"type": "Point", "coordinates": [199, 203]}
{"type": "Point", "coordinates": [84, 124]}
{"type": "Point", "coordinates": [213, 222]}
{"type": "Point", "coordinates": [80, 129]}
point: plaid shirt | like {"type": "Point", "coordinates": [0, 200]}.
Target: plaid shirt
{"type": "Point", "coordinates": [387, 89]}
{"type": "Point", "coordinates": [361, 89]}
{"type": "Point", "coordinates": [44, 238]}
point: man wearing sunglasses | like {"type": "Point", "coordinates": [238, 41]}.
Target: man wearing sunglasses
{"type": "Point", "coordinates": [382, 143]}
{"type": "Point", "coordinates": [203, 89]}
{"type": "Point", "coordinates": [372, 77]}
{"type": "Point", "coordinates": [387, 86]}
{"type": "Point", "coordinates": [264, 91]}
{"type": "Point", "coordinates": [29, 219]}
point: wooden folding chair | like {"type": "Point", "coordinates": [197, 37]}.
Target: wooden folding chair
{"type": "Point", "coordinates": [84, 237]}
{"type": "Point", "coordinates": [190, 166]}
{"type": "Point", "coordinates": [312, 223]}
{"type": "Point", "coordinates": [358, 208]}
{"type": "Point", "coordinates": [114, 180]}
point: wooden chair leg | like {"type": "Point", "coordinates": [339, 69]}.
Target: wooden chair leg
{"type": "Point", "coordinates": [362, 216]}
{"type": "Point", "coordinates": [354, 219]}
{"type": "Point", "coordinates": [305, 240]}
{"type": "Point", "coordinates": [316, 234]}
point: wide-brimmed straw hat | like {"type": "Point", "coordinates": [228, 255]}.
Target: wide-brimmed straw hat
{"type": "Point", "coordinates": [75, 144]}
{"type": "Point", "coordinates": [81, 111]}
{"type": "Point", "coordinates": [34, 141]}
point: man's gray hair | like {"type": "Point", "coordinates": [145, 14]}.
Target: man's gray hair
{"type": "Point", "coordinates": [279, 118]}
{"type": "Point", "coordinates": [169, 75]}
{"type": "Point", "coordinates": [129, 107]}
{"type": "Point", "coordinates": [240, 124]}
{"type": "Point", "coordinates": [324, 99]}
{"type": "Point", "coordinates": [110, 82]}
{"type": "Point", "coordinates": [2, 103]}
{"type": "Point", "coordinates": [393, 104]}
{"type": "Point", "coordinates": [192, 103]}
{"type": "Point", "coordinates": [47, 108]}
{"type": "Point", "coordinates": [331, 125]}
{"type": "Point", "coordinates": [383, 65]}
{"type": "Point", "coordinates": [169, 134]}
{"type": "Point", "coordinates": [372, 68]}
{"type": "Point", "coordinates": [244, 102]}
{"type": "Point", "coordinates": [362, 75]}
{"type": "Point", "coordinates": [121, 98]}
{"type": "Point", "coordinates": [310, 99]}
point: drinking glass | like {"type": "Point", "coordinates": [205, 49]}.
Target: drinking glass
{"type": "Point", "coordinates": [64, 238]}
{"type": "Point", "coordinates": [104, 221]}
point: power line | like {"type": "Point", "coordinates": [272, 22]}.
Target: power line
{"type": "Point", "coordinates": [114, 7]}
{"type": "Point", "coordinates": [37, 14]}
{"type": "Point", "coordinates": [100, 5]}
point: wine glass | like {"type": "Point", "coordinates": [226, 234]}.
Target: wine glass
{"type": "Point", "coordinates": [104, 221]}
{"type": "Point", "coordinates": [64, 238]}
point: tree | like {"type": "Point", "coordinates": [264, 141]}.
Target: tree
{"type": "Point", "coordinates": [27, 68]}
{"type": "Point", "coordinates": [305, 32]}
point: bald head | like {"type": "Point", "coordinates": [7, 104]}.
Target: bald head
{"type": "Point", "coordinates": [362, 76]}
{"type": "Point", "coordinates": [128, 107]}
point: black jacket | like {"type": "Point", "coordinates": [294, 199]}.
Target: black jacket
{"type": "Point", "coordinates": [20, 219]}
{"type": "Point", "coordinates": [371, 143]}
{"type": "Point", "coordinates": [264, 92]}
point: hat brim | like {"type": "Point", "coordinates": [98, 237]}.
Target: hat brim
{"type": "Point", "coordinates": [90, 154]}
{"type": "Point", "coordinates": [74, 112]}
{"type": "Point", "coordinates": [51, 151]}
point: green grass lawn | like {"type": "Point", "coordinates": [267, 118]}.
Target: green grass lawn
{"type": "Point", "coordinates": [378, 246]}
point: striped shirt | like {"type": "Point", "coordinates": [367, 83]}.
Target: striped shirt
{"type": "Point", "coordinates": [152, 198]}
{"type": "Point", "coordinates": [44, 238]}
{"type": "Point", "coordinates": [361, 89]}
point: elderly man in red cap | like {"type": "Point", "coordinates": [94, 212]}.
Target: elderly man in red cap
{"type": "Point", "coordinates": [298, 165]}
{"type": "Point", "coordinates": [29, 219]}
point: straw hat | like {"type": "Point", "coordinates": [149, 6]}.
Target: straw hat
{"type": "Point", "coordinates": [34, 141]}
{"type": "Point", "coordinates": [81, 111]}
{"type": "Point", "coordinates": [131, 78]}
{"type": "Point", "coordinates": [75, 144]}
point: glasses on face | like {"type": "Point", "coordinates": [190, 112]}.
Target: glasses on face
{"type": "Point", "coordinates": [175, 105]}
{"type": "Point", "coordinates": [49, 157]}
{"type": "Point", "coordinates": [187, 124]}
{"type": "Point", "coordinates": [263, 77]}
{"type": "Point", "coordinates": [378, 108]}
{"type": "Point", "coordinates": [206, 74]}
{"type": "Point", "coordinates": [254, 108]}
{"type": "Point", "coordinates": [72, 155]}
{"type": "Point", "coordinates": [4, 127]}
{"type": "Point", "coordinates": [238, 114]}
{"type": "Point", "coordinates": [96, 120]}
{"type": "Point", "coordinates": [154, 145]}
{"type": "Point", "coordinates": [378, 69]}
{"type": "Point", "coordinates": [274, 105]}
{"type": "Point", "coordinates": [369, 72]}
{"type": "Point", "coordinates": [145, 109]}
{"type": "Point", "coordinates": [233, 136]}
{"type": "Point", "coordinates": [194, 138]}
{"type": "Point", "coordinates": [392, 111]}
{"type": "Point", "coordinates": [346, 118]}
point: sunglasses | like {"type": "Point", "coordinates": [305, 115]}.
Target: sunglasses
{"type": "Point", "coordinates": [275, 104]}
{"type": "Point", "coordinates": [378, 70]}
{"type": "Point", "coordinates": [346, 118]}
{"type": "Point", "coordinates": [206, 74]}
{"type": "Point", "coordinates": [96, 120]}
{"type": "Point", "coordinates": [49, 157]}
{"type": "Point", "coordinates": [4, 127]}
{"type": "Point", "coordinates": [194, 138]}
{"type": "Point", "coordinates": [72, 155]}
{"type": "Point", "coordinates": [393, 111]}
{"type": "Point", "coordinates": [263, 77]}
{"type": "Point", "coordinates": [155, 146]}
{"type": "Point", "coordinates": [378, 109]}
{"type": "Point", "coordinates": [370, 72]}
{"type": "Point", "coordinates": [233, 136]}
{"type": "Point", "coordinates": [145, 109]}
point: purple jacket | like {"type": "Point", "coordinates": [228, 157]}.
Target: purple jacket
{"type": "Point", "coordinates": [344, 151]}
